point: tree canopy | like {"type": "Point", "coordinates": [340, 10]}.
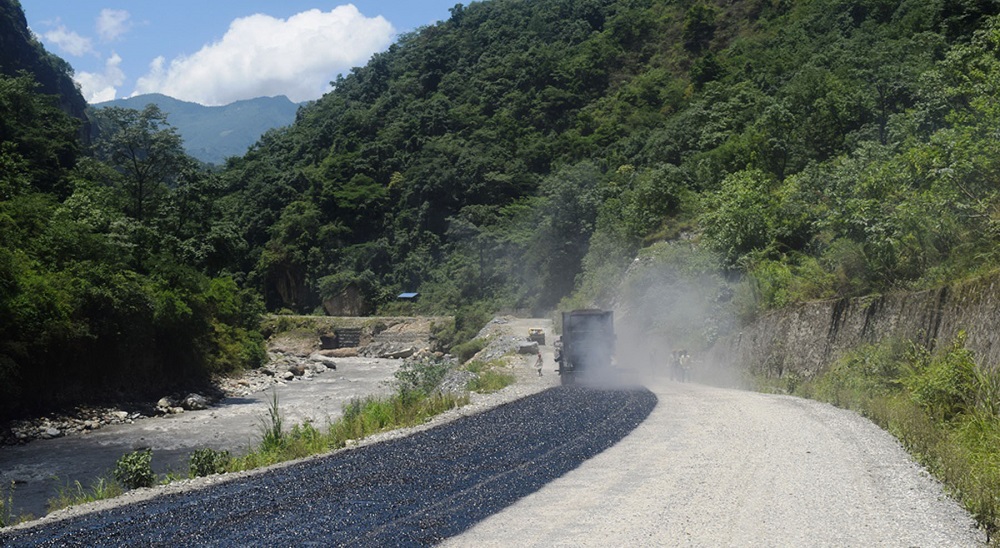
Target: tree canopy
{"type": "Point", "coordinates": [514, 156]}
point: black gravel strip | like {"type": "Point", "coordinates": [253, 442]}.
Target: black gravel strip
{"type": "Point", "coordinates": [415, 490]}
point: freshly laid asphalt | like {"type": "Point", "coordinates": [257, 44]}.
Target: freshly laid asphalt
{"type": "Point", "coordinates": [416, 490]}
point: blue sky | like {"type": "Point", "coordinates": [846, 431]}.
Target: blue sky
{"type": "Point", "coordinates": [215, 52]}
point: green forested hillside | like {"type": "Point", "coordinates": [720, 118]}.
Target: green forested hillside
{"type": "Point", "coordinates": [22, 52]}
{"type": "Point", "coordinates": [111, 261]}
{"type": "Point", "coordinates": [517, 155]}
{"type": "Point", "coordinates": [521, 150]}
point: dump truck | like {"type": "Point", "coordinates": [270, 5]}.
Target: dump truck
{"type": "Point", "coordinates": [587, 342]}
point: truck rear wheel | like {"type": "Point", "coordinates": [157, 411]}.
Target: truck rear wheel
{"type": "Point", "coordinates": [566, 378]}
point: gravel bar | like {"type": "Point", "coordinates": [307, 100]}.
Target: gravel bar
{"type": "Point", "coordinates": [415, 490]}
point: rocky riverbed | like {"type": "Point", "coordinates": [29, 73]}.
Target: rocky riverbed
{"type": "Point", "coordinates": [282, 368]}
{"type": "Point", "coordinates": [311, 387]}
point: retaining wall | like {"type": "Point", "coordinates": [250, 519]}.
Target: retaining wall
{"type": "Point", "coordinates": [806, 338]}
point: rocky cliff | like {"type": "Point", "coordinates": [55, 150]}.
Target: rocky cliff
{"type": "Point", "coordinates": [805, 339]}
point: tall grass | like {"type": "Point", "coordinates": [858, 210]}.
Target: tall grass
{"type": "Point", "coordinates": [361, 418]}
{"type": "Point", "coordinates": [414, 402]}
{"type": "Point", "coordinates": [490, 376]}
{"type": "Point", "coordinates": [7, 506]}
{"type": "Point", "coordinates": [75, 493]}
{"type": "Point", "coordinates": [272, 429]}
{"type": "Point", "coordinates": [942, 406]}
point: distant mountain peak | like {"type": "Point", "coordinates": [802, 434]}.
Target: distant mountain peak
{"type": "Point", "coordinates": [212, 134]}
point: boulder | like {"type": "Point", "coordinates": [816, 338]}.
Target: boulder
{"type": "Point", "coordinates": [400, 354]}
{"type": "Point", "coordinates": [166, 403]}
{"type": "Point", "coordinates": [195, 402]}
{"type": "Point", "coordinates": [343, 353]}
{"type": "Point", "coordinates": [527, 347]}
{"type": "Point", "coordinates": [327, 362]}
{"type": "Point", "coordinates": [298, 370]}
{"type": "Point", "coordinates": [287, 376]}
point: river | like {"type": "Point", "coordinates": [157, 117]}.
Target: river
{"type": "Point", "coordinates": [40, 468]}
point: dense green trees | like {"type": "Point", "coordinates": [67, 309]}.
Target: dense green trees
{"type": "Point", "coordinates": [484, 156]}
{"type": "Point", "coordinates": [508, 157]}
{"type": "Point", "coordinates": [115, 258]}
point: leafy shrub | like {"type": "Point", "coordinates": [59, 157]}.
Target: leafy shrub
{"type": "Point", "coordinates": [942, 407]}
{"type": "Point", "coordinates": [421, 377]}
{"type": "Point", "coordinates": [205, 462]}
{"type": "Point", "coordinates": [134, 470]}
{"type": "Point", "coordinates": [944, 386]}
{"type": "Point", "coordinates": [862, 374]}
{"type": "Point", "coordinates": [465, 351]}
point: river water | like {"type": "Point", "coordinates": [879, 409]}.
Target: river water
{"type": "Point", "coordinates": [40, 468]}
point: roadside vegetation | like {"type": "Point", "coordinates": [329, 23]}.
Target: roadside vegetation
{"type": "Point", "coordinates": [513, 156]}
{"type": "Point", "coordinates": [522, 155]}
{"type": "Point", "coordinates": [7, 516]}
{"type": "Point", "coordinates": [415, 400]}
{"type": "Point", "coordinates": [942, 406]}
{"type": "Point", "coordinates": [490, 376]}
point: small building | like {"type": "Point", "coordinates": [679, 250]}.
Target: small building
{"type": "Point", "coordinates": [408, 297]}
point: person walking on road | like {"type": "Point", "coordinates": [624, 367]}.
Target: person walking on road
{"type": "Point", "coordinates": [538, 364]}
{"type": "Point", "coordinates": [684, 361]}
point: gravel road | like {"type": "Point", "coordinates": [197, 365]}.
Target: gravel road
{"type": "Point", "coordinates": [716, 467]}
{"type": "Point", "coordinates": [669, 465]}
{"type": "Point", "coordinates": [414, 490]}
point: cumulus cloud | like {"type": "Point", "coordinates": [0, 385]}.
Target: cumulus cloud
{"type": "Point", "coordinates": [111, 24]}
{"type": "Point", "coordinates": [100, 87]}
{"type": "Point", "coordinates": [264, 56]}
{"type": "Point", "coordinates": [69, 41]}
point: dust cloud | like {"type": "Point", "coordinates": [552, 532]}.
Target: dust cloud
{"type": "Point", "coordinates": [672, 307]}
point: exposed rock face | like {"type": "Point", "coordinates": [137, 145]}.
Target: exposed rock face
{"type": "Point", "coordinates": [805, 339]}
{"type": "Point", "coordinates": [350, 301]}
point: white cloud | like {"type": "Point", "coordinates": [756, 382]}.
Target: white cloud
{"type": "Point", "coordinates": [111, 24]}
{"type": "Point", "coordinates": [264, 56]}
{"type": "Point", "coordinates": [69, 41]}
{"type": "Point", "coordinates": [100, 87]}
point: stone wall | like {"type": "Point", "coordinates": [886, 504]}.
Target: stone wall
{"type": "Point", "coordinates": [806, 338]}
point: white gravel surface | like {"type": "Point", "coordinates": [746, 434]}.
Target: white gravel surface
{"type": "Point", "coordinates": [718, 467]}
{"type": "Point", "coordinates": [711, 467]}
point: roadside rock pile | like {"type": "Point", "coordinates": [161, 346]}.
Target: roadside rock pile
{"type": "Point", "coordinates": [456, 381]}
{"type": "Point", "coordinates": [500, 341]}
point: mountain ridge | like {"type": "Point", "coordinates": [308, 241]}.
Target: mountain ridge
{"type": "Point", "coordinates": [213, 133]}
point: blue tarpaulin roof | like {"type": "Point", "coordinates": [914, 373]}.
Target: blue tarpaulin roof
{"type": "Point", "coordinates": [408, 295]}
